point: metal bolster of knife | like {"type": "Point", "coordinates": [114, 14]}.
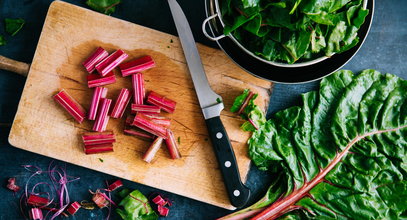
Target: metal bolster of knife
{"type": "Point", "coordinates": [213, 110]}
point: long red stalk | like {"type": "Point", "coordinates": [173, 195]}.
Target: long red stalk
{"type": "Point", "coordinates": [172, 145]}
{"type": "Point", "coordinates": [98, 55]}
{"type": "Point", "coordinates": [166, 104]}
{"type": "Point", "coordinates": [102, 118]}
{"type": "Point", "coordinates": [121, 103]}
{"type": "Point", "coordinates": [137, 65]}
{"type": "Point", "coordinates": [144, 108]}
{"type": "Point", "coordinates": [95, 80]}
{"type": "Point", "coordinates": [144, 123]}
{"type": "Point", "coordinates": [109, 63]}
{"type": "Point", "coordinates": [92, 138]}
{"type": "Point", "coordinates": [98, 93]}
{"type": "Point", "coordinates": [152, 150]}
{"type": "Point", "coordinates": [246, 102]}
{"type": "Point", "coordinates": [138, 88]}
{"type": "Point", "coordinates": [70, 105]}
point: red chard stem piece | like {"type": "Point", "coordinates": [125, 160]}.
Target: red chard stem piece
{"type": "Point", "coordinates": [138, 133]}
{"type": "Point", "coordinates": [36, 214]}
{"type": "Point", "coordinates": [102, 119]}
{"type": "Point", "coordinates": [137, 65]}
{"type": "Point", "coordinates": [37, 201]}
{"type": "Point", "coordinates": [143, 122]}
{"type": "Point", "coordinates": [95, 58]}
{"type": "Point", "coordinates": [144, 108]}
{"type": "Point", "coordinates": [166, 104]}
{"type": "Point", "coordinates": [92, 138]}
{"type": "Point", "coordinates": [245, 103]}
{"type": "Point", "coordinates": [138, 88]}
{"type": "Point", "coordinates": [158, 200]}
{"type": "Point", "coordinates": [172, 145]}
{"type": "Point", "coordinates": [116, 184]}
{"type": "Point", "coordinates": [73, 208]}
{"type": "Point", "coordinates": [163, 211]}
{"type": "Point", "coordinates": [121, 103]}
{"type": "Point", "coordinates": [99, 92]}
{"type": "Point", "coordinates": [152, 150]}
{"type": "Point", "coordinates": [109, 63]}
{"type": "Point", "coordinates": [100, 200]}
{"type": "Point", "coordinates": [95, 80]}
{"type": "Point", "coordinates": [11, 185]}
{"type": "Point", "coordinates": [70, 105]}
{"type": "Point", "coordinates": [160, 120]}
{"type": "Point", "coordinates": [98, 148]}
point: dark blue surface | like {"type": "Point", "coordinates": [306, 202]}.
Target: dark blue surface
{"type": "Point", "coordinates": [385, 50]}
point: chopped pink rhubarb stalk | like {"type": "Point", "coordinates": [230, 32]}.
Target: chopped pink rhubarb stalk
{"type": "Point", "coordinates": [163, 211]}
{"type": "Point", "coordinates": [166, 104]}
{"type": "Point", "coordinates": [70, 105]}
{"type": "Point", "coordinates": [100, 200]}
{"type": "Point", "coordinates": [144, 108]}
{"type": "Point", "coordinates": [37, 201]}
{"type": "Point", "coordinates": [98, 93]}
{"type": "Point", "coordinates": [138, 88]}
{"type": "Point", "coordinates": [98, 148]}
{"type": "Point", "coordinates": [158, 200]}
{"type": "Point", "coordinates": [121, 103]}
{"type": "Point", "coordinates": [138, 133]}
{"type": "Point", "coordinates": [109, 63]}
{"type": "Point", "coordinates": [160, 120]}
{"type": "Point", "coordinates": [172, 145]}
{"type": "Point", "coordinates": [102, 118]}
{"type": "Point", "coordinates": [11, 184]}
{"type": "Point", "coordinates": [137, 65]}
{"type": "Point", "coordinates": [94, 59]}
{"type": "Point", "coordinates": [36, 214]}
{"type": "Point", "coordinates": [152, 150]}
{"type": "Point", "coordinates": [73, 208]}
{"type": "Point", "coordinates": [92, 138]}
{"type": "Point", "coordinates": [95, 80]}
{"type": "Point", "coordinates": [116, 184]}
{"type": "Point", "coordinates": [143, 122]}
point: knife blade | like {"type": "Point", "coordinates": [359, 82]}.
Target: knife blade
{"type": "Point", "coordinates": [211, 105]}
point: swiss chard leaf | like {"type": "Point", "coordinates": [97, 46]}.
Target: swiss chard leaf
{"type": "Point", "coordinates": [341, 155]}
{"type": "Point", "coordinates": [2, 40]}
{"type": "Point", "coordinates": [136, 207]}
{"type": "Point", "coordinates": [103, 6]}
{"type": "Point", "coordinates": [13, 26]}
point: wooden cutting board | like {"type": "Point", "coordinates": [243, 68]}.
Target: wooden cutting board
{"type": "Point", "coordinates": [69, 35]}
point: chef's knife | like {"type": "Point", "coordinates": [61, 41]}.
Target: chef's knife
{"type": "Point", "coordinates": [211, 105]}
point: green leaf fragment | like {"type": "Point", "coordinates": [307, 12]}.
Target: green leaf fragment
{"type": "Point", "coordinates": [101, 160]}
{"type": "Point", "coordinates": [103, 6]}
{"type": "Point", "coordinates": [135, 206]}
{"type": "Point", "coordinates": [13, 26]}
{"type": "Point", "coordinates": [2, 40]}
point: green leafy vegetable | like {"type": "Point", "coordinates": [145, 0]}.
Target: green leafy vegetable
{"type": "Point", "coordinates": [136, 207]}
{"type": "Point", "coordinates": [341, 155]}
{"type": "Point", "coordinates": [103, 6]}
{"type": "Point", "coordinates": [2, 40]}
{"type": "Point", "coordinates": [13, 25]}
{"type": "Point", "coordinates": [292, 30]}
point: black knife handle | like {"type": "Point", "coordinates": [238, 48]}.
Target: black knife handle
{"type": "Point", "coordinates": [237, 191]}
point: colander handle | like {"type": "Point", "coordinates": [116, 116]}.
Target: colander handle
{"type": "Point", "coordinates": [206, 33]}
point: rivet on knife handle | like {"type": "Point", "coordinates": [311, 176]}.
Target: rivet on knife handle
{"type": "Point", "coordinates": [238, 193]}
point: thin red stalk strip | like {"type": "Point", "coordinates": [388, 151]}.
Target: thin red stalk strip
{"type": "Point", "coordinates": [121, 103]}
{"type": "Point", "coordinates": [91, 138]}
{"type": "Point", "coordinates": [143, 122]}
{"type": "Point", "coordinates": [172, 145]}
{"type": "Point", "coordinates": [109, 63]}
{"type": "Point", "coordinates": [102, 118]}
{"type": "Point", "coordinates": [166, 104]}
{"type": "Point", "coordinates": [116, 184]}
{"type": "Point", "coordinates": [138, 88]}
{"type": "Point", "coordinates": [98, 93]}
{"type": "Point", "coordinates": [160, 120]}
{"type": "Point", "coordinates": [100, 148]}
{"type": "Point", "coordinates": [152, 150]}
{"type": "Point", "coordinates": [95, 80]}
{"type": "Point", "coordinates": [70, 105]}
{"type": "Point", "coordinates": [272, 212]}
{"type": "Point", "coordinates": [54, 210]}
{"type": "Point", "coordinates": [245, 103]}
{"type": "Point", "coordinates": [137, 65]}
{"type": "Point", "coordinates": [144, 203]}
{"type": "Point", "coordinates": [95, 58]}
{"type": "Point", "coordinates": [138, 133]}
{"type": "Point", "coordinates": [144, 108]}
{"type": "Point", "coordinates": [254, 124]}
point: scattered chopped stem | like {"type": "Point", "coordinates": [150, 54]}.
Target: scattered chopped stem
{"type": "Point", "coordinates": [98, 55]}
{"type": "Point", "coordinates": [98, 93]}
{"type": "Point", "coordinates": [144, 108]}
{"type": "Point", "coordinates": [102, 119]}
{"type": "Point", "coordinates": [121, 103]}
{"type": "Point", "coordinates": [152, 150]}
{"type": "Point", "coordinates": [92, 138]}
{"type": "Point", "coordinates": [109, 63]}
{"type": "Point", "coordinates": [70, 105]}
{"type": "Point", "coordinates": [137, 65]}
{"type": "Point", "coordinates": [95, 80]}
{"type": "Point", "coordinates": [138, 88]}
{"type": "Point", "coordinates": [172, 145]}
{"type": "Point", "coordinates": [166, 104]}
{"type": "Point", "coordinates": [143, 122]}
